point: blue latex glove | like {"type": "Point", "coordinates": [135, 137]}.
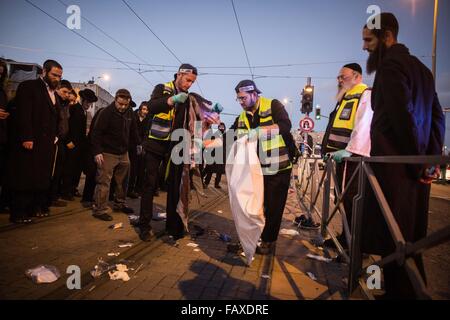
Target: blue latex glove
{"type": "Point", "coordinates": [180, 98]}
{"type": "Point", "coordinates": [338, 155]}
{"type": "Point", "coordinates": [217, 107]}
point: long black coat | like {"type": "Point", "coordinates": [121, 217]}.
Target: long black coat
{"type": "Point", "coordinates": [407, 120]}
{"type": "Point", "coordinates": [35, 119]}
{"type": "Point", "coordinates": [77, 127]}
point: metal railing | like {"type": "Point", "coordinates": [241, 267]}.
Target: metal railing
{"type": "Point", "coordinates": [307, 191]}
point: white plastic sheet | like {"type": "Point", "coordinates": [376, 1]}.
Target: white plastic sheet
{"type": "Point", "coordinates": [246, 192]}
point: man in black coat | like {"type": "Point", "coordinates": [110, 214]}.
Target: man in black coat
{"type": "Point", "coordinates": [407, 120]}
{"type": "Point", "coordinates": [31, 161]}
{"type": "Point", "coordinates": [62, 95]}
{"type": "Point", "coordinates": [77, 143]}
{"type": "Point", "coordinates": [110, 138]}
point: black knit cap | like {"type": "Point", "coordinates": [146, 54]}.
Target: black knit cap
{"type": "Point", "coordinates": [354, 66]}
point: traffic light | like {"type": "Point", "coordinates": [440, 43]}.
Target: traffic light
{"type": "Point", "coordinates": [307, 98]}
{"type": "Point", "coordinates": [318, 113]}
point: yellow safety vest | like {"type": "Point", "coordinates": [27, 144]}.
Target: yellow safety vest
{"type": "Point", "coordinates": [268, 143]}
{"type": "Point", "coordinates": [344, 120]}
{"type": "Point", "coordinates": [162, 122]}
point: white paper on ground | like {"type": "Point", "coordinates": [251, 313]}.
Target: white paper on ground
{"type": "Point", "coordinates": [289, 232]}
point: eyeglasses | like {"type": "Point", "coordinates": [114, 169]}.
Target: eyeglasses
{"type": "Point", "coordinates": [241, 99]}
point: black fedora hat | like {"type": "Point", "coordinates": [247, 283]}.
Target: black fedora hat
{"type": "Point", "coordinates": [88, 95]}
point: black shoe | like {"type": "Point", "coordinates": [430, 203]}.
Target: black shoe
{"type": "Point", "coordinates": [58, 204]}
{"type": "Point", "coordinates": [87, 204]}
{"type": "Point", "coordinates": [156, 193]}
{"type": "Point", "coordinates": [330, 243]}
{"type": "Point", "coordinates": [306, 223]}
{"type": "Point", "coordinates": [77, 194]}
{"type": "Point", "coordinates": [217, 186]}
{"type": "Point", "coordinates": [146, 236]}
{"type": "Point", "coordinates": [21, 220]}
{"type": "Point", "coordinates": [133, 195]}
{"type": "Point", "coordinates": [265, 248]}
{"type": "Point", "coordinates": [68, 197]}
{"type": "Point", "coordinates": [124, 209]}
{"type": "Point", "coordinates": [41, 213]}
{"type": "Point", "coordinates": [103, 216]}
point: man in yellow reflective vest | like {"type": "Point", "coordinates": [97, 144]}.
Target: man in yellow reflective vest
{"type": "Point", "coordinates": [164, 101]}
{"type": "Point", "coordinates": [348, 131]}
{"type": "Point", "coordinates": [276, 150]}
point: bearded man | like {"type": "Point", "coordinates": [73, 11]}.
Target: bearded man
{"type": "Point", "coordinates": [407, 120]}
{"type": "Point", "coordinates": [348, 131]}
{"type": "Point", "coordinates": [35, 127]}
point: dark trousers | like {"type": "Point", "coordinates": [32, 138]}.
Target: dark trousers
{"type": "Point", "coordinates": [152, 165]}
{"type": "Point", "coordinates": [276, 189]}
{"type": "Point", "coordinates": [352, 188]}
{"type": "Point", "coordinates": [174, 224]}
{"type": "Point", "coordinates": [208, 172]}
{"type": "Point", "coordinates": [5, 194]}
{"type": "Point", "coordinates": [137, 171]}
{"type": "Point", "coordinates": [56, 183]}
{"type": "Point", "coordinates": [89, 182]}
{"type": "Point", "coordinates": [27, 203]}
{"type": "Point", "coordinates": [72, 171]}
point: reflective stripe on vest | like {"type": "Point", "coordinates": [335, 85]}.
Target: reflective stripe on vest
{"type": "Point", "coordinates": [344, 120]}
{"type": "Point", "coordinates": [162, 122]}
{"type": "Point", "coordinates": [274, 150]}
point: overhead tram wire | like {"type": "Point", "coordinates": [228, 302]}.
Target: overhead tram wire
{"type": "Point", "coordinates": [201, 67]}
{"type": "Point", "coordinates": [162, 42]}
{"type": "Point", "coordinates": [86, 39]}
{"type": "Point", "coordinates": [110, 37]}
{"type": "Point", "coordinates": [242, 39]}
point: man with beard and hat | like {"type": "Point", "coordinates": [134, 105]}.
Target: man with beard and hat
{"type": "Point", "coordinates": [348, 132]}
{"type": "Point", "coordinates": [407, 120]}
{"type": "Point", "coordinates": [166, 100]}
{"type": "Point", "coordinates": [277, 151]}
{"type": "Point", "coordinates": [35, 129]}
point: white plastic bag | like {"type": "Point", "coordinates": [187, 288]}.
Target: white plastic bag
{"type": "Point", "coordinates": [246, 192]}
{"type": "Point", "coordinates": [43, 274]}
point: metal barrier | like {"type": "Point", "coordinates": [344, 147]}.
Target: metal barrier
{"type": "Point", "coordinates": [404, 251]}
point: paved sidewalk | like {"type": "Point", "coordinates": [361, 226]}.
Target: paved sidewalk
{"type": "Point", "coordinates": [162, 270]}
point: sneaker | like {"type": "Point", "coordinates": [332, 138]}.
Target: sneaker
{"type": "Point", "coordinates": [265, 248]}
{"type": "Point", "coordinates": [58, 204]}
{"type": "Point", "coordinates": [103, 216]}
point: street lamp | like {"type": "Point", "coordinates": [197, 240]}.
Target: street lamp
{"type": "Point", "coordinates": [288, 102]}
{"type": "Point", "coordinates": [433, 55]}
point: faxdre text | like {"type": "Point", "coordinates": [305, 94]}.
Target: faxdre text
{"type": "Point", "coordinates": [231, 309]}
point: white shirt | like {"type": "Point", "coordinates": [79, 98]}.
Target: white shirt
{"type": "Point", "coordinates": [359, 143]}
